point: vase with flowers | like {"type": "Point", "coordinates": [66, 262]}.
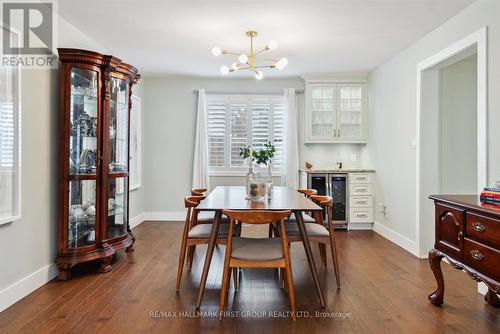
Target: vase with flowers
{"type": "Point", "coordinates": [256, 184]}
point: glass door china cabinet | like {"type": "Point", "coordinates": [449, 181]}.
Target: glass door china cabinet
{"type": "Point", "coordinates": [95, 104]}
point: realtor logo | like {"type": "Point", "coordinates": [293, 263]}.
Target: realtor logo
{"type": "Point", "coordinates": [28, 34]}
{"type": "Point", "coordinates": [36, 33]}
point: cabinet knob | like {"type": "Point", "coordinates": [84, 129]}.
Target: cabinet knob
{"type": "Point", "coordinates": [460, 235]}
{"type": "Point", "coordinates": [476, 255]}
{"type": "Point", "coordinates": [478, 227]}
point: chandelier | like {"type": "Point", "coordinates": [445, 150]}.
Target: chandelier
{"type": "Point", "coordinates": [253, 61]}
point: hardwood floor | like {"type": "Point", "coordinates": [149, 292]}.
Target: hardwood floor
{"type": "Point", "coordinates": [384, 289]}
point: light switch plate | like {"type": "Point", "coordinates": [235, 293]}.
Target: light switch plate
{"type": "Point", "coordinates": [414, 143]}
{"type": "Point", "coordinates": [354, 157]}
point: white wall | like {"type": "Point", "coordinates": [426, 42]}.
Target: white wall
{"type": "Point", "coordinates": [459, 127]}
{"type": "Point", "coordinates": [392, 96]}
{"type": "Point", "coordinates": [28, 246]}
{"type": "Point", "coordinates": [170, 110]}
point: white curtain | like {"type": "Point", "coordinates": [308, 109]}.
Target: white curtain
{"type": "Point", "coordinates": [200, 161]}
{"type": "Point", "coordinates": [292, 140]}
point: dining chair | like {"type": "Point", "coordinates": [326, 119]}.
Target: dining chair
{"type": "Point", "coordinates": [307, 218]}
{"type": "Point", "coordinates": [317, 232]}
{"type": "Point", "coordinates": [202, 217]}
{"type": "Point", "coordinates": [195, 234]}
{"type": "Point", "coordinates": [257, 253]}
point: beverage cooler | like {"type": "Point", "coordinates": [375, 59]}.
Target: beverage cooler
{"type": "Point", "coordinates": [334, 185]}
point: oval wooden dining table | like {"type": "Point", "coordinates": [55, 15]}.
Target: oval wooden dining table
{"type": "Point", "coordinates": [234, 198]}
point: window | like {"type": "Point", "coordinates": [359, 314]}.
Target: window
{"type": "Point", "coordinates": [9, 146]}
{"type": "Point", "coordinates": [10, 153]}
{"type": "Point", "coordinates": [236, 121]}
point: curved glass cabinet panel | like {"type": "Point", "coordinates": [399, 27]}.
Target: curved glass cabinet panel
{"type": "Point", "coordinates": [84, 122]}
{"type": "Point", "coordinates": [118, 126]}
{"type": "Point", "coordinates": [117, 207]}
{"type": "Point", "coordinates": [82, 213]}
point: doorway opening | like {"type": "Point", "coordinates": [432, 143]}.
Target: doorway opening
{"type": "Point", "coordinates": [451, 136]}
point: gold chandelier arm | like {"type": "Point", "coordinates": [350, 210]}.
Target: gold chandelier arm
{"type": "Point", "coordinates": [252, 68]}
{"type": "Point", "coordinates": [226, 52]}
{"type": "Point", "coordinates": [261, 50]}
{"type": "Point", "coordinates": [270, 59]}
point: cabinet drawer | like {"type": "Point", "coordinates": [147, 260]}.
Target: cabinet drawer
{"type": "Point", "coordinates": [361, 201]}
{"type": "Point", "coordinates": [361, 215]}
{"type": "Point", "coordinates": [482, 258]}
{"type": "Point", "coordinates": [361, 178]}
{"type": "Point", "coordinates": [482, 228]}
{"type": "Point", "coordinates": [361, 189]}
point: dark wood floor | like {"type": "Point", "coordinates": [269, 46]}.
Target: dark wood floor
{"type": "Point", "coordinates": [384, 289]}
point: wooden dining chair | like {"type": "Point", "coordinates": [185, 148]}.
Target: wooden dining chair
{"type": "Point", "coordinates": [195, 234]}
{"type": "Point", "coordinates": [307, 218]}
{"type": "Point", "coordinates": [317, 232]}
{"type": "Point", "coordinates": [257, 253]}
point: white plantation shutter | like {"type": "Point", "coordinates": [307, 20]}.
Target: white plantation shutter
{"type": "Point", "coordinates": [236, 121]}
{"type": "Point", "coordinates": [216, 119]}
{"type": "Point", "coordinates": [238, 124]}
{"type": "Point", "coordinates": [7, 135]}
{"type": "Point", "coordinates": [261, 123]}
{"type": "Point", "coordinates": [279, 135]}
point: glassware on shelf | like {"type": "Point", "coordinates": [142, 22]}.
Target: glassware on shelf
{"type": "Point", "coordinates": [81, 222]}
{"type": "Point", "coordinates": [83, 121]}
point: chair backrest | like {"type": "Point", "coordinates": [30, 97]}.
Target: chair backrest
{"type": "Point", "coordinates": [308, 192]}
{"type": "Point", "coordinates": [257, 216]}
{"type": "Point", "coordinates": [325, 201]}
{"type": "Point", "coordinates": [192, 201]}
{"type": "Point", "coordinates": [198, 191]}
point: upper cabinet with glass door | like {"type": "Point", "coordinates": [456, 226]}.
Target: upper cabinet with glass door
{"type": "Point", "coordinates": [336, 109]}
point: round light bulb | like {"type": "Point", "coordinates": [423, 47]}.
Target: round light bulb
{"type": "Point", "coordinates": [243, 59]}
{"type": "Point", "coordinates": [272, 45]}
{"type": "Point", "coordinates": [259, 75]}
{"type": "Point", "coordinates": [216, 51]}
{"type": "Point", "coordinates": [281, 63]}
{"type": "Point", "coordinates": [224, 69]}
{"type": "Point", "coordinates": [235, 66]}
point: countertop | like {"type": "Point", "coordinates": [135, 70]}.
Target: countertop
{"type": "Point", "coordinates": [346, 170]}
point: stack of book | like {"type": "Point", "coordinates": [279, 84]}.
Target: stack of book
{"type": "Point", "coordinates": [490, 196]}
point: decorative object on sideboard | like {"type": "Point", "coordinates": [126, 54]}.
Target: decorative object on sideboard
{"type": "Point", "coordinates": [250, 60]}
{"type": "Point", "coordinates": [309, 166]}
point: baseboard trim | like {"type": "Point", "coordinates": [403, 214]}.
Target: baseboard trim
{"type": "Point", "coordinates": [396, 238]}
{"type": "Point", "coordinates": [26, 285]}
{"type": "Point", "coordinates": [137, 220]}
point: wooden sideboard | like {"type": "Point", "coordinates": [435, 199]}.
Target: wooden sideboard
{"type": "Point", "coordinates": [468, 236]}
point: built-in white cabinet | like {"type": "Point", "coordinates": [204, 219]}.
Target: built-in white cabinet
{"type": "Point", "coordinates": [361, 198]}
{"type": "Point", "coordinates": [336, 110]}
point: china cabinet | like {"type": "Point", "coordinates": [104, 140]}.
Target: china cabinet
{"type": "Point", "coordinates": [335, 109]}
{"type": "Point", "coordinates": [95, 104]}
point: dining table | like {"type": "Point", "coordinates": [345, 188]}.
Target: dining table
{"type": "Point", "coordinates": [235, 198]}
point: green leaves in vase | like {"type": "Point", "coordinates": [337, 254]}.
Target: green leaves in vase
{"type": "Point", "coordinates": [263, 156]}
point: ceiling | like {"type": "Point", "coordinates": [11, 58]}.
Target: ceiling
{"type": "Point", "coordinates": [317, 36]}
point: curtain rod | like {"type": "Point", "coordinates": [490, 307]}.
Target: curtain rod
{"type": "Point", "coordinates": [273, 92]}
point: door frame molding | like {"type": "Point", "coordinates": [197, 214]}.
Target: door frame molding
{"type": "Point", "coordinates": [480, 40]}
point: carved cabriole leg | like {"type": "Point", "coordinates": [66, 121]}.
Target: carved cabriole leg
{"type": "Point", "coordinates": [492, 298]}
{"type": "Point", "coordinates": [105, 264]}
{"type": "Point", "coordinates": [435, 257]}
{"type": "Point", "coordinates": [131, 247]}
{"type": "Point", "coordinates": [64, 273]}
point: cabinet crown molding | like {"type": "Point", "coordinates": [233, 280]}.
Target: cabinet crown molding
{"type": "Point", "coordinates": [336, 77]}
